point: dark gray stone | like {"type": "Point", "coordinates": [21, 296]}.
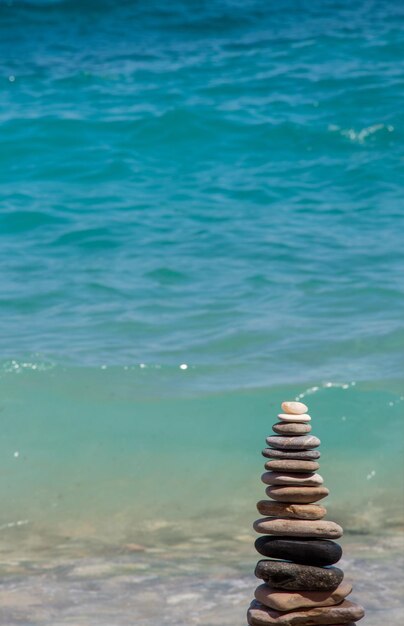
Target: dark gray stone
{"type": "Point", "coordinates": [300, 455]}
{"type": "Point", "coordinates": [291, 429]}
{"type": "Point", "coordinates": [296, 577]}
{"type": "Point", "coordinates": [300, 550]}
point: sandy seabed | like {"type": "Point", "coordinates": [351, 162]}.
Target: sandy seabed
{"type": "Point", "coordinates": [199, 582]}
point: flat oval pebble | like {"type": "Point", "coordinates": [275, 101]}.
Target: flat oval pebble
{"type": "Point", "coordinates": [292, 465]}
{"type": "Point", "coordinates": [291, 511]}
{"type": "Point", "coordinates": [291, 428]}
{"type": "Point", "coordinates": [344, 613]}
{"type": "Point", "coordinates": [295, 577]}
{"type": "Point", "coordinates": [289, 601]}
{"type": "Point", "coordinates": [284, 478]}
{"type": "Point", "coordinates": [318, 552]}
{"type": "Point", "coordinates": [304, 442]}
{"type": "Point", "coordinates": [288, 417]}
{"type": "Point", "coordinates": [297, 495]}
{"type": "Point", "coordinates": [296, 455]}
{"type": "Point", "coordinates": [322, 529]}
{"type": "Point", "coordinates": [294, 408]}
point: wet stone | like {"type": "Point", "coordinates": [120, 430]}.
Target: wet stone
{"type": "Point", "coordinates": [296, 577]}
{"type": "Point", "coordinates": [290, 601]}
{"type": "Point", "coordinates": [260, 615]}
{"type": "Point", "coordinates": [290, 510]}
{"type": "Point", "coordinates": [297, 455]}
{"type": "Point", "coordinates": [303, 442]}
{"type": "Point", "coordinates": [291, 428]}
{"type": "Point", "coordinates": [319, 552]}
{"type": "Point", "coordinates": [292, 465]}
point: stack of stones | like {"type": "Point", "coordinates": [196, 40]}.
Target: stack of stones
{"type": "Point", "coordinates": [301, 586]}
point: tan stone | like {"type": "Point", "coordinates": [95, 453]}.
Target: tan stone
{"type": "Point", "coordinates": [291, 428]}
{"type": "Point", "coordinates": [294, 408]}
{"type": "Point", "coordinates": [289, 417]}
{"type": "Point", "coordinates": [292, 465]}
{"type": "Point", "coordinates": [291, 600]}
{"type": "Point", "coordinates": [344, 613]}
{"type": "Point", "coordinates": [286, 478]}
{"type": "Point", "coordinates": [297, 494]}
{"type": "Point", "coordinates": [291, 511]}
{"type": "Point", "coordinates": [321, 529]}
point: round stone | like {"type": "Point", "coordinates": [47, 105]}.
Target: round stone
{"type": "Point", "coordinates": [304, 442]}
{"type": "Point", "coordinates": [289, 601]}
{"type": "Point", "coordinates": [296, 577]}
{"type": "Point", "coordinates": [295, 455]}
{"type": "Point", "coordinates": [291, 511]}
{"type": "Point", "coordinates": [260, 615]}
{"type": "Point", "coordinates": [318, 552]}
{"type": "Point", "coordinates": [287, 417]}
{"type": "Point", "coordinates": [321, 529]}
{"type": "Point", "coordinates": [291, 428]}
{"type": "Point", "coordinates": [292, 466]}
{"type": "Point", "coordinates": [294, 408]}
{"type": "Point", "coordinates": [296, 494]}
{"type": "Point", "coordinates": [284, 478]}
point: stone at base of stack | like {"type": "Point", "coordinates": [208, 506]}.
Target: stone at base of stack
{"type": "Point", "coordinates": [301, 585]}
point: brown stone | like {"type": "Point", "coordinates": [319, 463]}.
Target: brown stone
{"type": "Point", "coordinates": [291, 511]}
{"type": "Point", "coordinates": [292, 466]}
{"type": "Point", "coordinates": [344, 613]}
{"type": "Point", "coordinates": [297, 494]}
{"type": "Point", "coordinates": [291, 600]}
{"type": "Point", "coordinates": [303, 442]}
{"type": "Point", "coordinates": [291, 428]}
{"type": "Point", "coordinates": [285, 478]}
{"type": "Point", "coordinates": [322, 529]}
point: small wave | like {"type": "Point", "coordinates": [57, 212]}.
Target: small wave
{"type": "Point", "coordinates": [360, 136]}
{"type": "Point", "coordinates": [327, 385]}
{"type": "Point", "coordinates": [15, 366]}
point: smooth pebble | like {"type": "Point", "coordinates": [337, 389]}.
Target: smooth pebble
{"type": "Point", "coordinates": [289, 601]}
{"type": "Point", "coordinates": [304, 442]}
{"type": "Point", "coordinates": [296, 494]}
{"type": "Point", "coordinates": [291, 511]}
{"type": "Point", "coordinates": [294, 408]}
{"type": "Point", "coordinates": [344, 613]}
{"type": "Point", "coordinates": [288, 417]}
{"type": "Point", "coordinates": [285, 478]}
{"type": "Point", "coordinates": [291, 428]}
{"type": "Point", "coordinates": [323, 529]}
{"type": "Point", "coordinates": [292, 465]}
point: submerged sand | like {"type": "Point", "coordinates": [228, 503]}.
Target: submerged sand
{"type": "Point", "coordinates": [202, 580]}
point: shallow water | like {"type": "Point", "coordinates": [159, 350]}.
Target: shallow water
{"type": "Point", "coordinates": [199, 582]}
{"type": "Point", "coordinates": [200, 217]}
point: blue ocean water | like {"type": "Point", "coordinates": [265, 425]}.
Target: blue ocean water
{"type": "Point", "coordinates": [201, 215]}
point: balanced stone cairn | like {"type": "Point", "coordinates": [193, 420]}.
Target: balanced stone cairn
{"type": "Point", "coordinates": [301, 586]}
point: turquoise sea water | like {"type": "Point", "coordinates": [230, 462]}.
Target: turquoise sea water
{"type": "Point", "coordinates": [201, 215]}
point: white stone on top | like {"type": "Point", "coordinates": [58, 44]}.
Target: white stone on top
{"type": "Point", "coordinates": [294, 408]}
